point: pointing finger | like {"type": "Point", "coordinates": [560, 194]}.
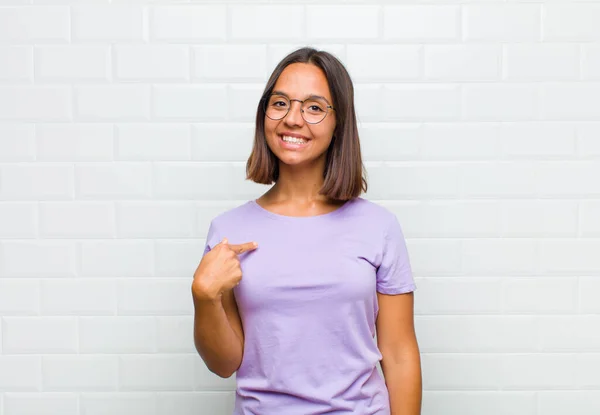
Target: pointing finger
{"type": "Point", "coordinates": [241, 248]}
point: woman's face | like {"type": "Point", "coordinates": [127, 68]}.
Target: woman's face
{"type": "Point", "coordinates": [300, 81]}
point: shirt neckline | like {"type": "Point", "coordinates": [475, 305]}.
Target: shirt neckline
{"type": "Point", "coordinates": [278, 216]}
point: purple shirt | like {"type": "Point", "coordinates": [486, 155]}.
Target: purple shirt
{"type": "Point", "coordinates": [308, 306]}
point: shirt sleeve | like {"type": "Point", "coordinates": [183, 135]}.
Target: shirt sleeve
{"type": "Point", "coordinates": [394, 274]}
{"type": "Point", "coordinates": [212, 238]}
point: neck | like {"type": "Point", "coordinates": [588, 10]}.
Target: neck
{"type": "Point", "coordinates": [299, 183]}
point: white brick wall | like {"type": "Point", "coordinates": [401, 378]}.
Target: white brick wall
{"type": "Point", "coordinates": [125, 126]}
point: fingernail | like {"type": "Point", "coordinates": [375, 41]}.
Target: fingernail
{"type": "Point", "coordinates": [255, 244]}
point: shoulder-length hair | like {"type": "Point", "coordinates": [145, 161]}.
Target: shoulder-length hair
{"type": "Point", "coordinates": [344, 171]}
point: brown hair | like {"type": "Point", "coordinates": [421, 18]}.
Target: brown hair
{"type": "Point", "coordinates": [344, 169]}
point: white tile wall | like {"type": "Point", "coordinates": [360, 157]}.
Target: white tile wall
{"type": "Point", "coordinates": [125, 127]}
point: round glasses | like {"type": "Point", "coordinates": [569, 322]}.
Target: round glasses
{"type": "Point", "coordinates": [313, 109]}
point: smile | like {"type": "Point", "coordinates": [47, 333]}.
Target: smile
{"type": "Point", "coordinates": [293, 140]}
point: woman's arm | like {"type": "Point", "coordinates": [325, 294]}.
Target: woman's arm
{"type": "Point", "coordinates": [401, 362]}
{"type": "Point", "coordinates": [218, 334]}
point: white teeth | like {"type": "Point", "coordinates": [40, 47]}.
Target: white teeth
{"type": "Point", "coordinates": [293, 140]}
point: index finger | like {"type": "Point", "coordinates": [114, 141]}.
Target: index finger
{"type": "Point", "coordinates": [241, 248]}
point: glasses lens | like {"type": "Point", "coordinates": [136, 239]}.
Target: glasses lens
{"type": "Point", "coordinates": [314, 110]}
{"type": "Point", "coordinates": [277, 107]}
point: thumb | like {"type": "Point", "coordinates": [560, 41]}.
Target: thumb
{"type": "Point", "coordinates": [224, 241]}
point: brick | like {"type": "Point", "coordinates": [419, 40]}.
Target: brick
{"type": "Point", "coordinates": [89, 23]}
{"type": "Point", "coordinates": [484, 334]}
{"type": "Point", "coordinates": [539, 218]}
{"type": "Point", "coordinates": [186, 403]}
{"type": "Point", "coordinates": [502, 22]}
{"type": "Point", "coordinates": [360, 22]}
{"type": "Point", "coordinates": [421, 102]}
{"type": "Point", "coordinates": [72, 63]}
{"type": "Point", "coordinates": [19, 297]}
{"type": "Point", "coordinates": [421, 23]}
{"type": "Point", "coordinates": [39, 335]}
{"type": "Point", "coordinates": [535, 62]}
{"type": "Point", "coordinates": [52, 259]}
{"type": "Point", "coordinates": [28, 103]}
{"type": "Point", "coordinates": [587, 139]}
{"type": "Point", "coordinates": [540, 296]}
{"type": "Point", "coordinates": [589, 287]}
{"type": "Point", "coordinates": [547, 140]}
{"type": "Point", "coordinates": [222, 142]}
{"type": "Point", "coordinates": [191, 103]}
{"type": "Point", "coordinates": [446, 252]}
{"type": "Point", "coordinates": [175, 258]}
{"type": "Point", "coordinates": [460, 141]}
{"type": "Point", "coordinates": [78, 297]}
{"type": "Point", "coordinates": [36, 182]}
{"type": "Point", "coordinates": [174, 334]}
{"type": "Point", "coordinates": [118, 258]}
{"type": "Point", "coordinates": [462, 372]}
{"type": "Point", "coordinates": [38, 24]}
{"type": "Point", "coordinates": [590, 61]}
{"type": "Point", "coordinates": [268, 22]}
{"type": "Point", "coordinates": [114, 181]}
{"type": "Point", "coordinates": [589, 218]}
{"type": "Point", "coordinates": [229, 63]}
{"type": "Point", "coordinates": [20, 374]}
{"type": "Point", "coordinates": [570, 101]}
{"type": "Point", "coordinates": [499, 257]}
{"type": "Point", "coordinates": [537, 371]}
{"type": "Point", "coordinates": [75, 142]}
{"type": "Point", "coordinates": [155, 220]}
{"type": "Point", "coordinates": [389, 141]}
{"type": "Point", "coordinates": [498, 179]}
{"type": "Point", "coordinates": [573, 22]}
{"type": "Point", "coordinates": [153, 142]}
{"type": "Point", "coordinates": [449, 295]}
{"type": "Point", "coordinates": [500, 102]}
{"type": "Point", "coordinates": [575, 334]}
{"type": "Point", "coordinates": [426, 180]}
{"type": "Point", "coordinates": [17, 142]}
{"type": "Point", "coordinates": [188, 22]}
{"type": "Point", "coordinates": [155, 63]}
{"type": "Point", "coordinates": [117, 335]}
{"type": "Point", "coordinates": [17, 64]}
{"type": "Point", "coordinates": [45, 403]}
{"type": "Point", "coordinates": [18, 220]}
{"type": "Point", "coordinates": [567, 178]}
{"type": "Point", "coordinates": [118, 403]}
{"type": "Point", "coordinates": [161, 372]}
{"type": "Point", "coordinates": [478, 402]}
{"type": "Point", "coordinates": [159, 297]}
{"type": "Point", "coordinates": [113, 103]}
{"type": "Point", "coordinates": [206, 380]}
{"type": "Point", "coordinates": [384, 62]}
{"type": "Point", "coordinates": [77, 220]}
{"type": "Point", "coordinates": [80, 373]}
{"type": "Point", "coordinates": [561, 402]}
{"type": "Point", "coordinates": [462, 62]}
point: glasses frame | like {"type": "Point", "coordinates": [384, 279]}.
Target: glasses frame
{"type": "Point", "coordinates": [268, 98]}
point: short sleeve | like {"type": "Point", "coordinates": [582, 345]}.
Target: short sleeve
{"type": "Point", "coordinates": [212, 238]}
{"type": "Point", "coordinates": [394, 274]}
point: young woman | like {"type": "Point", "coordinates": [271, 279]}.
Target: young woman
{"type": "Point", "coordinates": [293, 285]}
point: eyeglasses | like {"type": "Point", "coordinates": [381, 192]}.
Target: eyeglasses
{"type": "Point", "coordinates": [313, 109]}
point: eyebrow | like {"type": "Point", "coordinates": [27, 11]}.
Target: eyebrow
{"type": "Point", "coordinates": [307, 97]}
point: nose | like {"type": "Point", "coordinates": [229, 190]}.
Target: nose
{"type": "Point", "coordinates": [294, 117]}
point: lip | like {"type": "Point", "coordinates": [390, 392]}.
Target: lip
{"type": "Point", "coordinates": [290, 134]}
{"type": "Point", "coordinates": [292, 146]}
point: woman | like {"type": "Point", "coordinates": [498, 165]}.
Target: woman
{"type": "Point", "coordinates": [293, 285]}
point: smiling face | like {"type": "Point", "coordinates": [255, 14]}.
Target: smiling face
{"type": "Point", "coordinates": [292, 139]}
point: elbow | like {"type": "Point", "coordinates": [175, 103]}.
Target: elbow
{"type": "Point", "coordinates": [225, 374]}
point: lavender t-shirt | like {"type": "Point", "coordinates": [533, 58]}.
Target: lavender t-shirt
{"type": "Point", "coordinates": [308, 306]}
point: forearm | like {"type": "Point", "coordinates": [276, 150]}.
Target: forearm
{"type": "Point", "coordinates": [404, 383]}
{"type": "Point", "coordinates": [215, 340]}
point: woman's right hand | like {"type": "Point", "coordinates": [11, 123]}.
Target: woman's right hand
{"type": "Point", "coordinates": [219, 270]}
